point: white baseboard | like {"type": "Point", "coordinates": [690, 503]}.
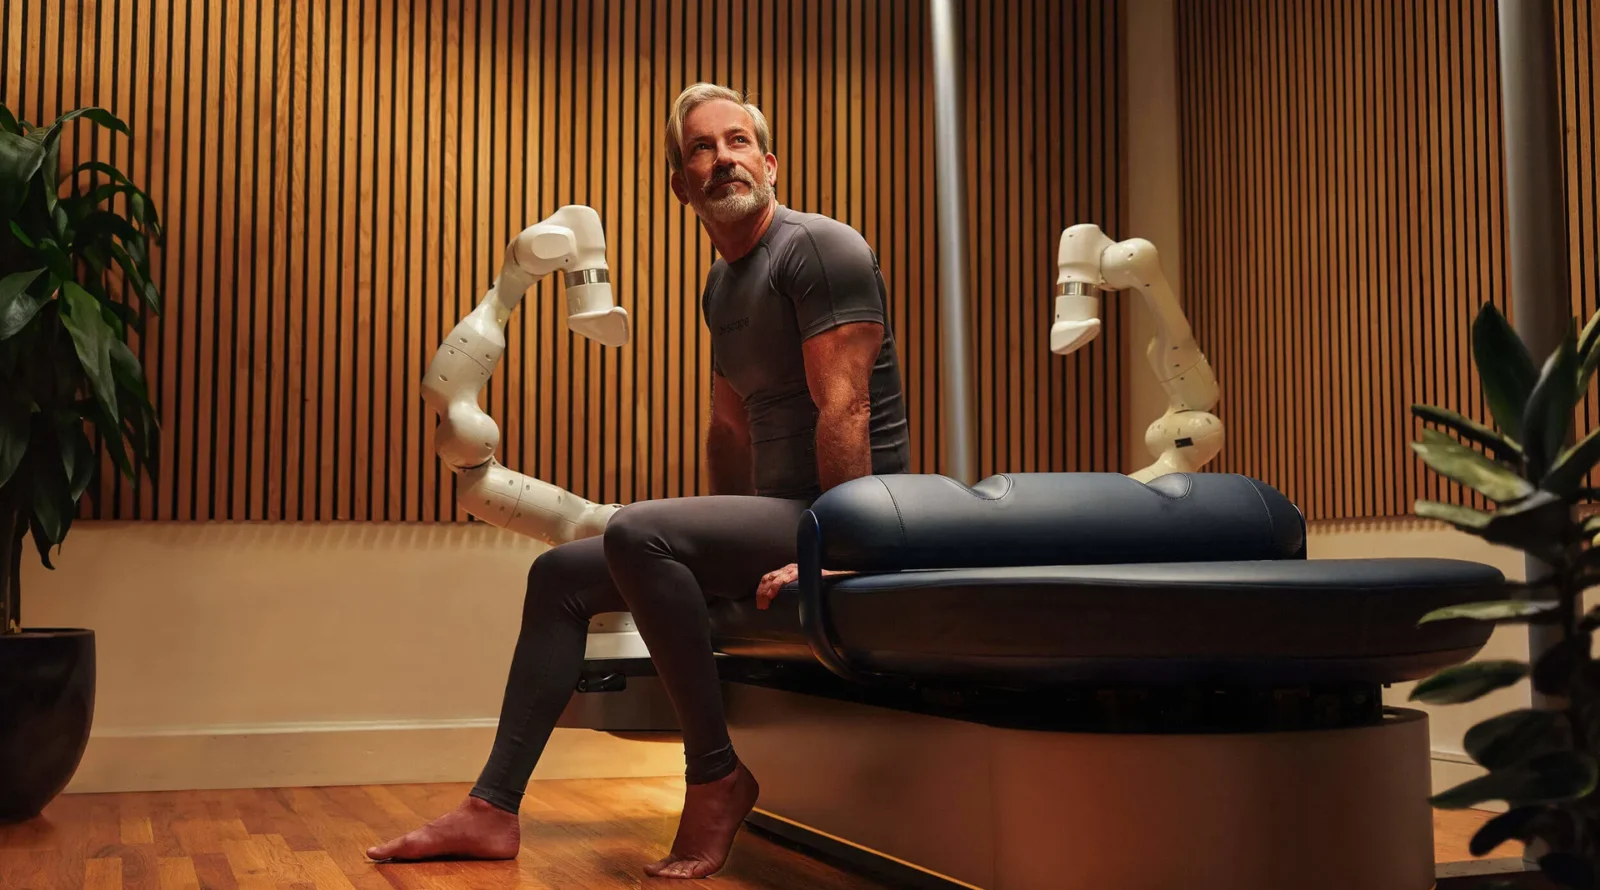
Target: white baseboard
{"type": "Point", "coordinates": [293, 755]}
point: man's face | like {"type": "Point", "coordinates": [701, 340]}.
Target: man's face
{"type": "Point", "coordinates": [726, 177]}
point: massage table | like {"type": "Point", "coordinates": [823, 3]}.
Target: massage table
{"type": "Point", "coordinates": [1081, 680]}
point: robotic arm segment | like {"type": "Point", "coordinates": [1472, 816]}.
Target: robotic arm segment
{"type": "Point", "coordinates": [570, 240]}
{"type": "Point", "coordinates": [1186, 437]}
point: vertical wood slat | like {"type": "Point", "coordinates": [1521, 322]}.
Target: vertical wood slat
{"type": "Point", "coordinates": [339, 177]}
{"type": "Point", "coordinates": [1343, 222]}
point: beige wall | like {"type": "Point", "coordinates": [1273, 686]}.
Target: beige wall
{"type": "Point", "coordinates": [288, 654]}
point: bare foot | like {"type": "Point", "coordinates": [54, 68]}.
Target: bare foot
{"type": "Point", "coordinates": [712, 814]}
{"type": "Point", "coordinates": [474, 830]}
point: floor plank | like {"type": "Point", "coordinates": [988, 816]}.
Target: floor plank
{"type": "Point", "coordinates": [1452, 836]}
{"type": "Point", "coordinates": [591, 834]}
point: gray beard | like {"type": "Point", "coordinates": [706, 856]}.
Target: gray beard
{"type": "Point", "coordinates": [735, 207]}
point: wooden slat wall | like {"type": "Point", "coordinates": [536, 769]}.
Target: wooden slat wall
{"type": "Point", "coordinates": [1343, 219]}
{"type": "Point", "coordinates": [339, 178]}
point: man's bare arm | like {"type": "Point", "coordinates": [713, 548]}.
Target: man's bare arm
{"type": "Point", "coordinates": [838, 370]}
{"type": "Point", "coordinates": [728, 453]}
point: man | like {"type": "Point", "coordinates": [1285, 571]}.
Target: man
{"type": "Point", "coordinates": [806, 394]}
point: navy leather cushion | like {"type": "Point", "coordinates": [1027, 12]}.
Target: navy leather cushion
{"type": "Point", "coordinates": [1247, 622]}
{"type": "Point", "coordinates": [924, 521]}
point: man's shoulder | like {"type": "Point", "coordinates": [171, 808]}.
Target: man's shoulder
{"type": "Point", "coordinates": [820, 229]}
{"type": "Point", "coordinates": [808, 242]}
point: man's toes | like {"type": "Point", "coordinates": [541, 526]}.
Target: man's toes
{"type": "Point", "coordinates": [399, 848]}
{"type": "Point", "coordinates": [673, 867]}
{"type": "Point", "coordinates": [384, 851]}
{"type": "Point", "coordinates": [677, 869]}
{"type": "Point", "coordinates": [695, 869]}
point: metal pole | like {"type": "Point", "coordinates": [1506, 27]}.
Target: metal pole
{"type": "Point", "coordinates": [1536, 206]}
{"type": "Point", "coordinates": [950, 179]}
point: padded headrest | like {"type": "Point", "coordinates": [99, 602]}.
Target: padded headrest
{"type": "Point", "coordinates": [928, 521]}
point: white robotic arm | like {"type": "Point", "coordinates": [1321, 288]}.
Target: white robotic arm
{"type": "Point", "coordinates": [572, 241]}
{"type": "Point", "coordinates": [1187, 436]}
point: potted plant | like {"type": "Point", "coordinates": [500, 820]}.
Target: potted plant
{"type": "Point", "coordinates": [69, 241]}
{"type": "Point", "coordinates": [1542, 762]}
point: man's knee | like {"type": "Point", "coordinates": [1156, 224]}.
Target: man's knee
{"type": "Point", "coordinates": [557, 577]}
{"type": "Point", "coordinates": [637, 529]}
{"type": "Point", "coordinates": [553, 567]}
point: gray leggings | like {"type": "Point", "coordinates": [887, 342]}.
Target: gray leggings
{"type": "Point", "coordinates": [661, 561]}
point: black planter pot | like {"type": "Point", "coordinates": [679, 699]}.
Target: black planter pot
{"type": "Point", "coordinates": [47, 683]}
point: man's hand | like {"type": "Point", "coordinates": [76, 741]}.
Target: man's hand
{"type": "Point", "coordinates": [772, 582]}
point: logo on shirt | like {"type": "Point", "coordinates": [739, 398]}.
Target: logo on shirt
{"type": "Point", "coordinates": [732, 326]}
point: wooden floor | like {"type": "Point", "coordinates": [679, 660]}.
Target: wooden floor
{"type": "Point", "coordinates": [587, 835]}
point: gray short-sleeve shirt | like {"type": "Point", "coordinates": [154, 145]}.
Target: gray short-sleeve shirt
{"type": "Point", "coordinates": [809, 273]}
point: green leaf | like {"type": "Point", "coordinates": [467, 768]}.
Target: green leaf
{"type": "Point", "coordinates": [1573, 466]}
{"type": "Point", "coordinates": [103, 169]}
{"type": "Point", "coordinates": [1534, 525]}
{"type": "Point", "coordinates": [1521, 824]}
{"type": "Point", "coordinates": [104, 223]}
{"type": "Point", "coordinates": [138, 280]}
{"type": "Point", "coordinates": [150, 444]}
{"type": "Point", "coordinates": [1568, 870]}
{"type": "Point", "coordinates": [1471, 468]}
{"type": "Point", "coordinates": [1588, 355]}
{"type": "Point", "coordinates": [23, 236]}
{"type": "Point", "coordinates": [52, 502]}
{"type": "Point", "coordinates": [1464, 518]}
{"type": "Point", "coordinates": [9, 121]}
{"type": "Point", "coordinates": [92, 339]}
{"type": "Point", "coordinates": [1553, 672]}
{"type": "Point", "coordinates": [20, 159]}
{"type": "Point", "coordinates": [17, 316]}
{"type": "Point", "coordinates": [1496, 610]}
{"type": "Point", "coordinates": [1505, 368]}
{"type": "Point", "coordinates": [1548, 778]}
{"type": "Point", "coordinates": [13, 286]}
{"type": "Point", "coordinates": [77, 460]}
{"type": "Point", "coordinates": [1550, 407]}
{"type": "Point", "coordinates": [1468, 682]}
{"type": "Point", "coordinates": [56, 259]}
{"type": "Point", "coordinates": [14, 422]}
{"type": "Point", "coordinates": [1471, 430]}
{"type": "Point", "coordinates": [1504, 739]}
{"type": "Point", "coordinates": [94, 113]}
{"type": "Point", "coordinates": [129, 373]}
{"type": "Point", "coordinates": [112, 436]}
{"type": "Point", "coordinates": [41, 540]}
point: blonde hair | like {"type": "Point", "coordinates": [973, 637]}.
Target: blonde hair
{"type": "Point", "coordinates": [698, 94]}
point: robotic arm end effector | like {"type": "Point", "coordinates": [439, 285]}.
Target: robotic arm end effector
{"type": "Point", "coordinates": [571, 240]}
{"type": "Point", "coordinates": [1079, 278]}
